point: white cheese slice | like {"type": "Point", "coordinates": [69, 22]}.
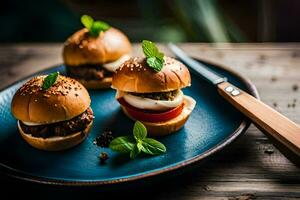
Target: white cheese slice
{"type": "Point", "coordinates": [150, 104]}
{"type": "Point", "coordinates": [113, 66]}
{"type": "Point", "coordinates": [33, 123]}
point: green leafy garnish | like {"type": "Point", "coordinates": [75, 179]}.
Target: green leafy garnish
{"type": "Point", "coordinates": [137, 143]}
{"type": "Point", "coordinates": [50, 80]}
{"type": "Point", "coordinates": [122, 144]}
{"type": "Point", "coordinates": [153, 147]}
{"type": "Point", "coordinates": [139, 131]}
{"type": "Point", "coordinates": [94, 27]}
{"type": "Point", "coordinates": [87, 21]}
{"type": "Point", "coordinates": [155, 59]}
{"type": "Point", "coordinates": [135, 151]}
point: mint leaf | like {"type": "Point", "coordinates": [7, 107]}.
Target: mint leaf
{"type": "Point", "coordinates": [49, 80]}
{"type": "Point", "coordinates": [149, 48]}
{"type": "Point", "coordinates": [139, 131]}
{"type": "Point", "coordinates": [87, 21]}
{"type": "Point", "coordinates": [135, 151]}
{"type": "Point", "coordinates": [160, 56]}
{"type": "Point", "coordinates": [97, 27]}
{"type": "Point", "coordinates": [155, 63]}
{"type": "Point", "coordinates": [94, 27]}
{"type": "Point", "coordinates": [137, 144]}
{"type": "Point", "coordinates": [123, 144]}
{"type": "Point", "coordinates": [153, 147]}
{"type": "Point", "coordinates": [155, 59]}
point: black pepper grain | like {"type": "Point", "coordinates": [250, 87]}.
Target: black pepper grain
{"type": "Point", "coordinates": [104, 139]}
{"type": "Point", "coordinates": [103, 157]}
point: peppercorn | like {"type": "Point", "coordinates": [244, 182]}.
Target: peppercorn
{"type": "Point", "coordinates": [103, 157]}
{"type": "Point", "coordinates": [104, 139]}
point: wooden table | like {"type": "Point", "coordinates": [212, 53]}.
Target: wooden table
{"type": "Point", "coordinates": [250, 168]}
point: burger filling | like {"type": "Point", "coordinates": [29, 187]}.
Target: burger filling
{"type": "Point", "coordinates": [63, 128]}
{"type": "Point", "coordinates": [166, 96]}
{"type": "Point", "coordinates": [158, 101]}
{"type": "Point", "coordinates": [96, 71]}
{"type": "Point", "coordinates": [88, 72]}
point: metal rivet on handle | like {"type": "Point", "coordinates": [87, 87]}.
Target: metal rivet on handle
{"type": "Point", "coordinates": [229, 89]}
{"type": "Point", "coordinates": [235, 92]}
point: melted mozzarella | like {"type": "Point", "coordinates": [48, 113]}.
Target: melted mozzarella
{"type": "Point", "coordinates": [150, 104]}
{"type": "Point", "coordinates": [112, 66]}
{"type": "Point", "coordinates": [33, 123]}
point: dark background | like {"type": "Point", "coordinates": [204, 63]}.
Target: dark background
{"type": "Point", "coordinates": [159, 20]}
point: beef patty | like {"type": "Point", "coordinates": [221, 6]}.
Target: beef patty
{"type": "Point", "coordinates": [88, 72]}
{"type": "Point", "coordinates": [63, 128]}
{"type": "Point", "coordinates": [167, 96]}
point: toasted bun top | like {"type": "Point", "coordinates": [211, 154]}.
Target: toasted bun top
{"type": "Point", "coordinates": [66, 99]}
{"type": "Point", "coordinates": [136, 76]}
{"type": "Point", "coordinates": [81, 48]}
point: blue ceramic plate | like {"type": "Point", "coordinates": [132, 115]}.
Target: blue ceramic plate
{"type": "Point", "coordinates": [212, 125]}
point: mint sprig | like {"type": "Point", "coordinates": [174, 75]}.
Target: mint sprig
{"type": "Point", "coordinates": [50, 80]}
{"type": "Point", "coordinates": [122, 144]}
{"type": "Point", "coordinates": [155, 59]}
{"type": "Point", "coordinates": [137, 143]}
{"type": "Point", "coordinates": [94, 27]}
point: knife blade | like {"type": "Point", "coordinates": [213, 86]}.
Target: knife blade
{"type": "Point", "coordinates": [197, 67]}
{"type": "Point", "coordinates": [275, 125]}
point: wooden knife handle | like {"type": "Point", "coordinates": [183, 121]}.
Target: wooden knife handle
{"type": "Point", "coordinates": [278, 126]}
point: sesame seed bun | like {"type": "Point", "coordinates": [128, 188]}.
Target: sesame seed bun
{"type": "Point", "coordinates": [136, 76]}
{"type": "Point", "coordinates": [158, 129]}
{"type": "Point", "coordinates": [81, 48]}
{"type": "Point", "coordinates": [55, 143]}
{"type": "Point", "coordinates": [66, 99]}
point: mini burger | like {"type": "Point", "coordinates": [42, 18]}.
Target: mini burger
{"type": "Point", "coordinates": [53, 112]}
{"type": "Point", "coordinates": [149, 90]}
{"type": "Point", "coordinates": [92, 54]}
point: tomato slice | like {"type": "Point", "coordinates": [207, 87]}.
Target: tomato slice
{"type": "Point", "coordinates": [151, 116]}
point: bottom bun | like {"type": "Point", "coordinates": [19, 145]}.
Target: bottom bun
{"type": "Point", "coordinates": [165, 128]}
{"type": "Point", "coordinates": [56, 143]}
{"type": "Point", "coordinates": [96, 84]}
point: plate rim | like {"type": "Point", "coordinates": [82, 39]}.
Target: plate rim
{"type": "Point", "coordinates": [14, 173]}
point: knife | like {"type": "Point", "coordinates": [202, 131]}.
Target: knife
{"type": "Point", "coordinates": [279, 127]}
